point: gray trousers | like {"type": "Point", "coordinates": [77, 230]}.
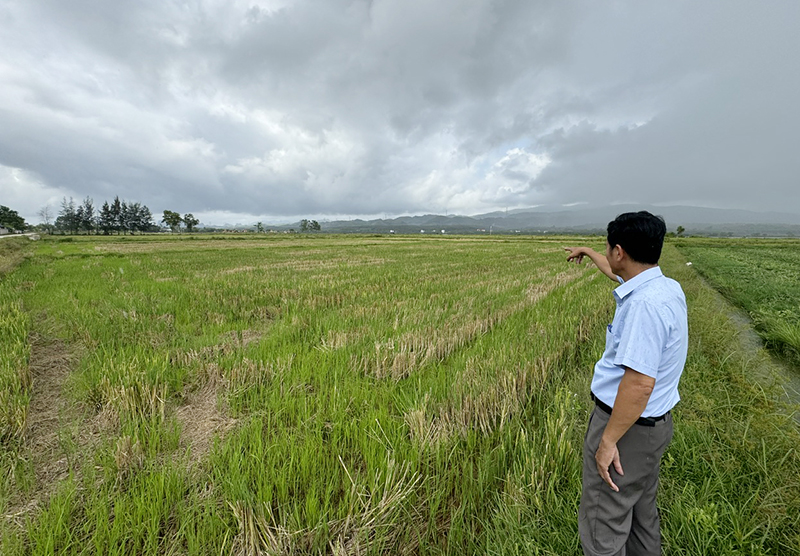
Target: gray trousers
{"type": "Point", "coordinates": [623, 523]}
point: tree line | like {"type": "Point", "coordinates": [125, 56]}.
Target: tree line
{"type": "Point", "coordinates": [116, 217]}
{"type": "Point", "coordinates": [119, 216]}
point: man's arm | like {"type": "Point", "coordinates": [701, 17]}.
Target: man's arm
{"type": "Point", "coordinates": [632, 396]}
{"type": "Point", "coordinates": [577, 253]}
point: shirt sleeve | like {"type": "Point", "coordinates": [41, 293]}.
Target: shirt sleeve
{"type": "Point", "coordinates": [641, 340]}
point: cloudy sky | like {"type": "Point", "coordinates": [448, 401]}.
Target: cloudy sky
{"type": "Point", "coordinates": [245, 110]}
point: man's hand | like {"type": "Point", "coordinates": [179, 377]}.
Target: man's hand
{"type": "Point", "coordinates": [607, 454]}
{"type": "Point", "coordinates": [576, 254]}
{"type": "Point", "coordinates": [632, 396]}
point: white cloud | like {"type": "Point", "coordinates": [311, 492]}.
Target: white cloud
{"type": "Point", "coordinates": [287, 108]}
{"type": "Point", "coordinates": [26, 194]}
{"type": "Point", "coordinates": [517, 170]}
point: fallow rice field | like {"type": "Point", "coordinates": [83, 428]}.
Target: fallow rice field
{"type": "Point", "coordinates": [319, 394]}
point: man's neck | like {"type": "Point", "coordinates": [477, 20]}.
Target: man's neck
{"type": "Point", "coordinates": [633, 269]}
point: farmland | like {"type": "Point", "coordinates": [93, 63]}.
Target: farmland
{"type": "Point", "coordinates": [761, 276]}
{"type": "Point", "coordinates": [353, 395]}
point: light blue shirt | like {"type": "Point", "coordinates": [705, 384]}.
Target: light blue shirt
{"type": "Point", "coordinates": [650, 335]}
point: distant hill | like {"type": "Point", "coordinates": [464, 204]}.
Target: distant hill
{"type": "Point", "coordinates": [674, 215]}
{"type": "Point", "coordinates": [577, 219]}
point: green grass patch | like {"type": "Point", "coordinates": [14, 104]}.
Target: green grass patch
{"type": "Point", "coordinates": [760, 276]}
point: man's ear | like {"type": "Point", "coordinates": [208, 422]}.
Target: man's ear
{"type": "Point", "coordinates": [620, 253]}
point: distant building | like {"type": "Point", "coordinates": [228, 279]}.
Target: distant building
{"type": "Point", "coordinates": [4, 231]}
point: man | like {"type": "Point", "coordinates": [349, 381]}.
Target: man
{"type": "Point", "coordinates": [635, 385]}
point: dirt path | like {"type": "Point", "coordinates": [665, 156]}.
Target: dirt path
{"type": "Point", "coordinates": [50, 366]}
{"type": "Point", "coordinates": [59, 434]}
{"type": "Point", "coordinates": [54, 425]}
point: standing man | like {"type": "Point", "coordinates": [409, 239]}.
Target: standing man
{"type": "Point", "coordinates": [634, 387]}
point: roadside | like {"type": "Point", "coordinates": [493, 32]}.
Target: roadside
{"type": "Point", "coordinates": [32, 235]}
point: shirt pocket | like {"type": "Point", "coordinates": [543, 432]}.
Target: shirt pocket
{"type": "Point", "coordinates": [612, 340]}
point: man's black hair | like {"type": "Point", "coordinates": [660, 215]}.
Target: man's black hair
{"type": "Point", "coordinates": [640, 234]}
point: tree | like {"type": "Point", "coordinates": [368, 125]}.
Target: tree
{"type": "Point", "coordinates": [11, 219]}
{"type": "Point", "coordinates": [78, 217]}
{"type": "Point", "coordinates": [173, 220]}
{"type": "Point", "coordinates": [86, 216]}
{"type": "Point", "coordinates": [259, 227]}
{"type": "Point", "coordinates": [116, 214]}
{"type": "Point", "coordinates": [46, 214]}
{"type": "Point", "coordinates": [680, 230]}
{"type": "Point", "coordinates": [125, 217]}
{"type": "Point", "coordinates": [190, 221]}
{"type": "Point", "coordinates": [144, 218]}
{"type": "Point", "coordinates": [129, 216]}
{"type": "Point", "coordinates": [68, 217]}
{"type": "Point", "coordinates": [105, 220]}
{"type": "Point", "coordinates": [309, 225]}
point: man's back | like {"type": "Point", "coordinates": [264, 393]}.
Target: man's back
{"type": "Point", "coordinates": [634, 387]}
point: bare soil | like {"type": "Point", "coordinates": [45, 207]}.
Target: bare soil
{"type": "Point", "coordinates": [49, 444]}
{"type": "Point", "coordinates": [202, 419]}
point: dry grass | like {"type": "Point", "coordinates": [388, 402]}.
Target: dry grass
{"type": "Point", "coordinates": [338, 339]}
{"type": "Point", "coordinates": [480, 402]}
{"type": "Point", "coordinates": [399, 358]}
{"type": "Point", "coordinates": [233, 342]}
{"type": "Point", "coordinates": [371, 525]}
{"type": "Point", "coordinates": [300, 261]}
{"type": "Point", "coordinates": [128, 456]}
{"type": "Point", "coordinates": [136, 401]}
{"type": "Point", "coordinates": [133, 245]}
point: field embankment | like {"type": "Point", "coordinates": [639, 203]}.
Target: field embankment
{"type": "Point", "coordinates": [352, 395]}
{"type": "Point", "coordinates": [762, 276]}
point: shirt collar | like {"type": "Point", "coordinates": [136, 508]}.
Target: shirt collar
{"type": "Point", "coordinates": [620, 292]}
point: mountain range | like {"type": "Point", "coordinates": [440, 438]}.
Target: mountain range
{"type": "Point", "coordinates": [579, 219]}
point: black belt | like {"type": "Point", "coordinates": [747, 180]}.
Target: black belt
{"type": "Point", "coordinates": [644, 421]}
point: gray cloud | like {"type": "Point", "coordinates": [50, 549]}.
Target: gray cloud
{"type": "Point", "coordinates": [277, 109]}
